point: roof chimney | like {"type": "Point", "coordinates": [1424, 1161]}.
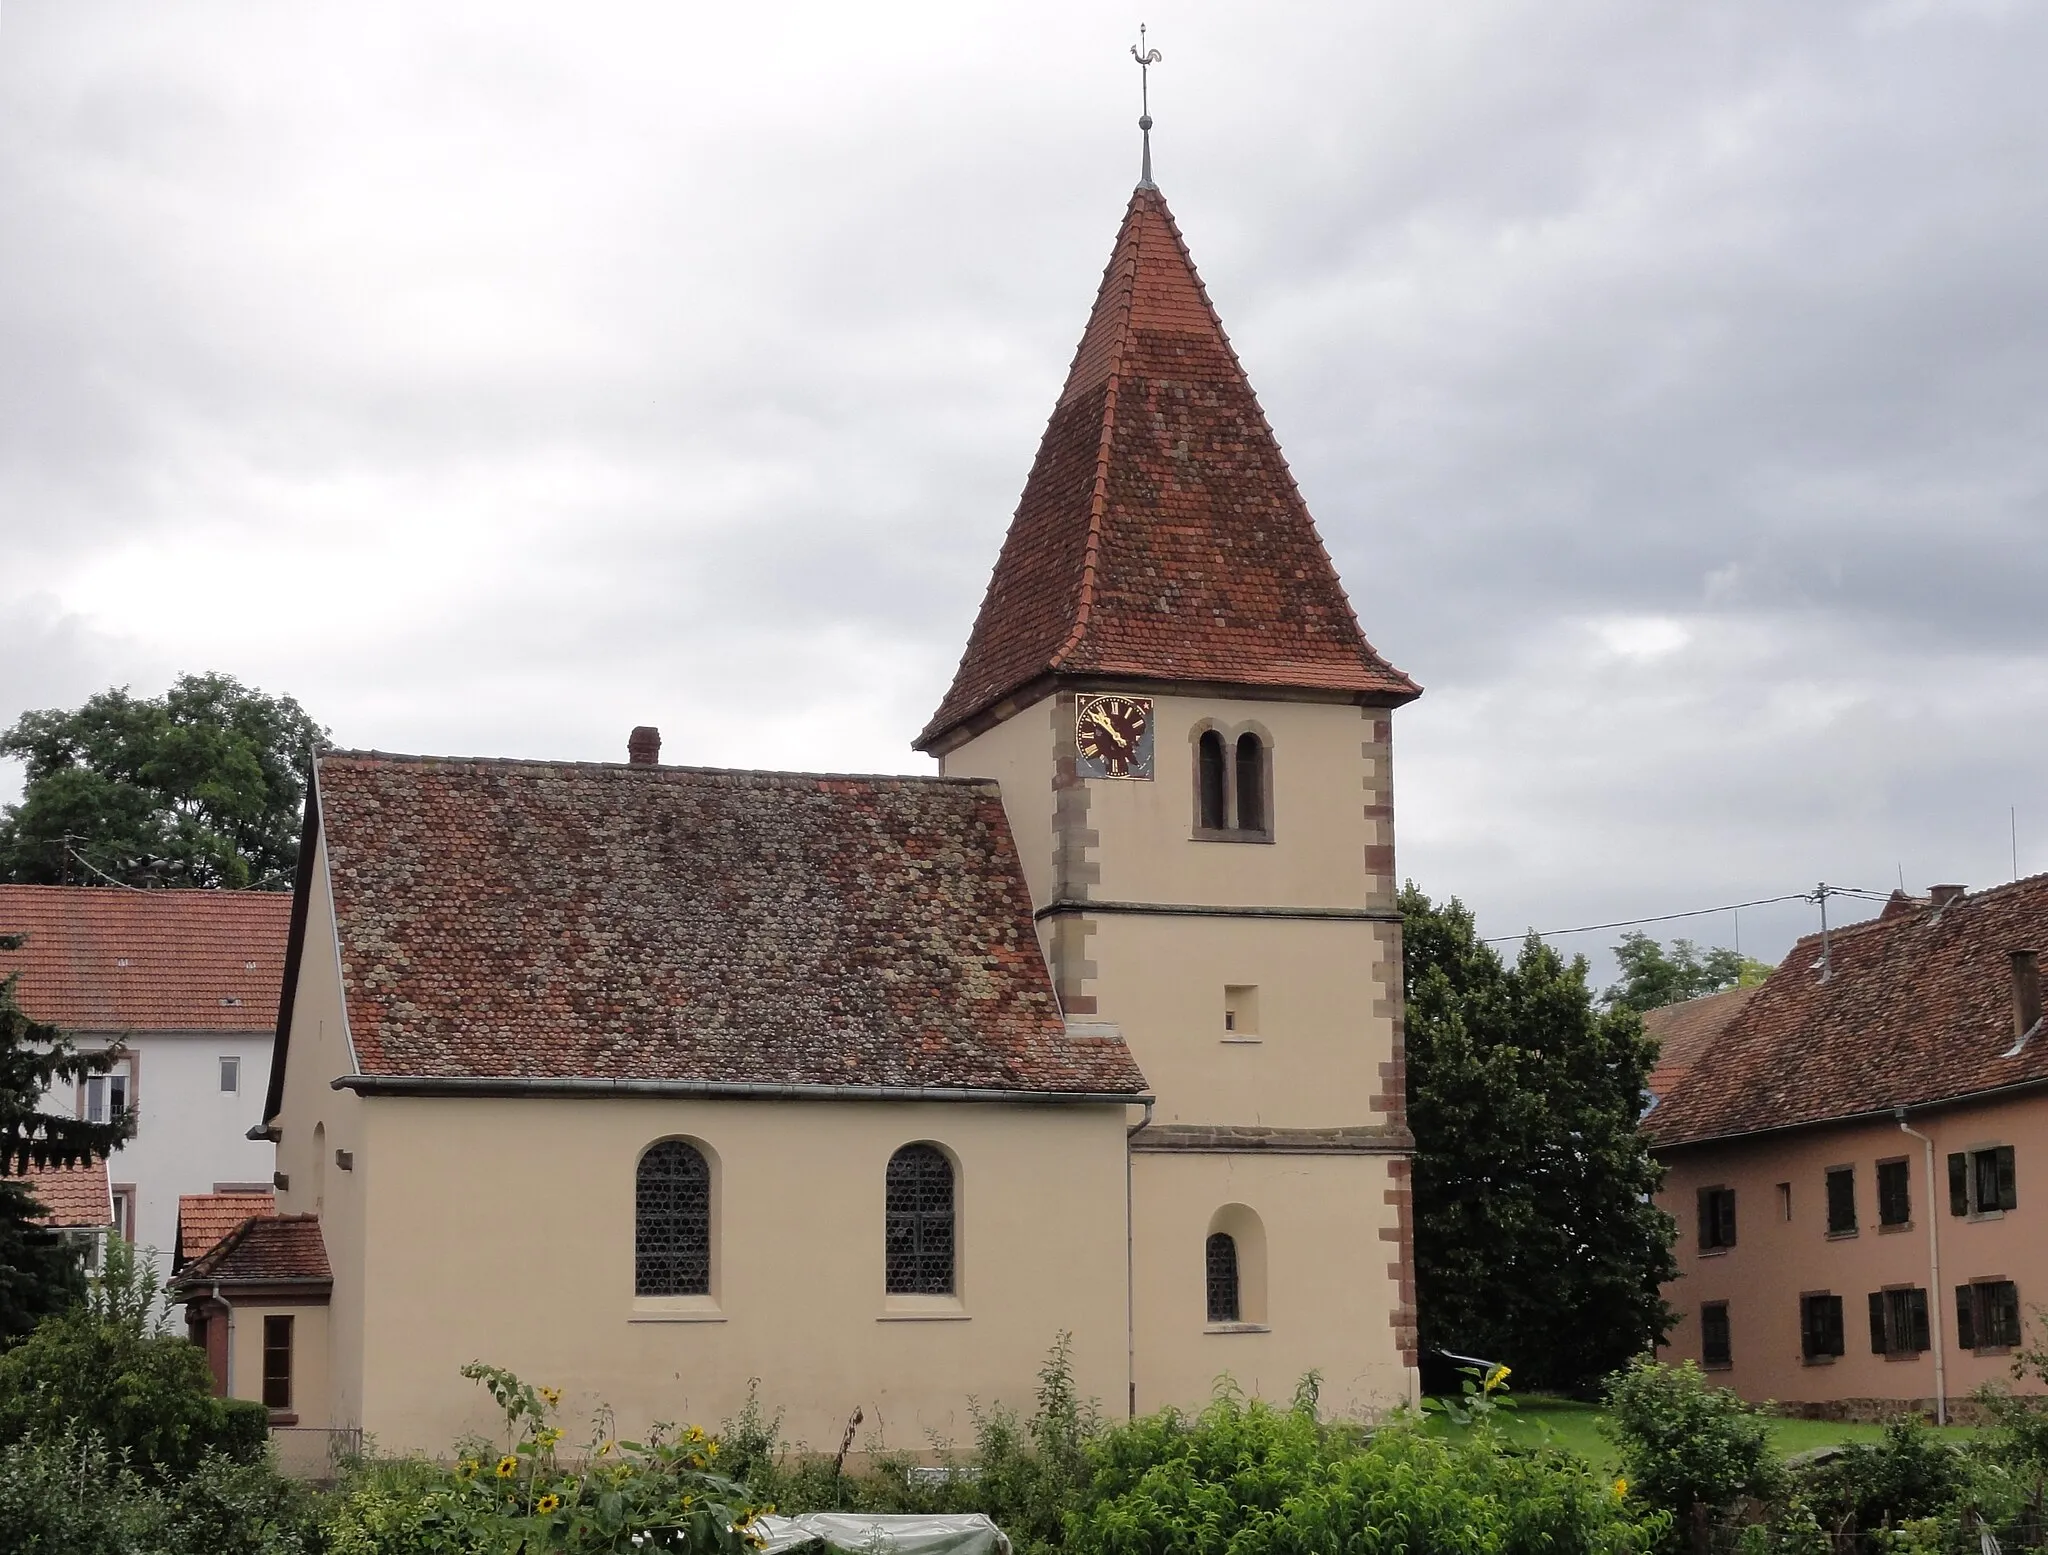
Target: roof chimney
{"type": "Point", "coordinates": [643, 746]}
{"type": "Point", "coordinates": [2026, 996]}
{"type": "Point", "coordinates": [1942, 895]}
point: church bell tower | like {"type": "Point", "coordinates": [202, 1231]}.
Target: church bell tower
{"type": "Point", "coordinates": [1194, 742]}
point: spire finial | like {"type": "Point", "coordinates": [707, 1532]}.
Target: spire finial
{"type": "Point", "coordinates": [1146, 59]}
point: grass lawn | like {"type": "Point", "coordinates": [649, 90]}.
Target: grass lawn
{"type": "Point", "coordinates": [1576, 1427]}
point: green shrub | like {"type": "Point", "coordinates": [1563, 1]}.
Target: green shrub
{"type": "Point", "coordinates": [69, 1495]}
{"type": "Point", "coordinates": [1250, 1479]}
{"type": "Point", "coordinates": [111, 1367]}
{"type": "Point", "coordinates": [1911, 1473]}
{"type": "Point", "coordinates": [1688, 1447]}
{"type": "Point", "coordinates": [244, 1434]}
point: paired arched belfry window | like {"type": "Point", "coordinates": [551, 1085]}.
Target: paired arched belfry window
{"type": "Point", "coordinates": [672, 1222]}
{"type": "Point", "coordinates": [1231, 779]}
{"type": "Point", "coordinates": [918, 1241]}
{"type": "Point", "coordinates": [1225, 1301]}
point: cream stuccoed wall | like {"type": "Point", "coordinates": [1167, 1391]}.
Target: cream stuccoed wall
{"type": "Point", "coordinates": [1322, 1226]}
{"type": "Point", "coordinates": [315, 1122]}
{"type": "Point", "coordinates": [310, 1402]}
{"type": "Point", "coordinates": [1777, 1258]}
{"type": "Point", "coordinates": [502, 1230]}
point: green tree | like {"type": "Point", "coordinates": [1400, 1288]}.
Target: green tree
{"type": "Point", "coordinates": [201, 786]}
{"type": "Point", "coordinates": [39, 1272]}
{"type": "Point", "coordinates": [1537, 1241]}
{"type": "Point", "coordinates": [1652, 978]}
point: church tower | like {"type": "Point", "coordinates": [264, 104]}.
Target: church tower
{"type": "Point", "coordinates": [1193, 738]}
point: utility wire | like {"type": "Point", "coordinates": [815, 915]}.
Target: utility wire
{"type": "Point", "coordinates": [1668, 917]}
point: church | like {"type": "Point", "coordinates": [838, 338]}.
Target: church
{"type": "Point", "coordinates": [647, 1080]}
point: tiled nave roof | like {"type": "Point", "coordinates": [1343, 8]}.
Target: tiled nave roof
{"type": "Point", "coordinates": [628, 923]}
{"type": "Point", "coordinates": [1160, 535]}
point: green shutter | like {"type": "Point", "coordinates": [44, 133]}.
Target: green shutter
{"type": "Point", "coordinates": [1916, 1302]}
{"type": "Point", "coordinates": [2008, 1187]}
{"type": "Point", "coordinates": [1959, 1184]}
{"type": "Point", "coordinates": [1727, 1203]}
{"type": "Point", "coordinates": [1877, 1322]}
{"type": "Point", "coordinates": [1706, 1218]}
{"type": "Point", "coordinates": [1837, 1343]}
{"type": "Point", "coordinates": [1966, 1319]}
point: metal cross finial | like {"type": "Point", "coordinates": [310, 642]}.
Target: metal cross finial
{"type": "Point", "coordinates": [1146, 59]}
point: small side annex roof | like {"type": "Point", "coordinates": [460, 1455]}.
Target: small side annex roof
{"type": "Point", "coordinates": [1917, 1009]}
{"type": "Point", "coordinates": [560, 926]}
{"type": "Point", "coordinates": [264, 1250]}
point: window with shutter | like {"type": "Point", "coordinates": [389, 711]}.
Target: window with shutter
{"type": "Point", "coordinates": [1716, 1348]}
{"type": "Point", "coordinates": [1959, 1184]}
{"type": "Point", "coordinates": [1820, 1325]}
{"type": "Point", "coordinates": [1987, 1315]}
{"type": "Point", "coordinates": [1966, 1317]}
{"type": "Point", "coordinates": [1989, 1181]}
{"type": "Point", "coordinates": [1898, 1321]}
{"type": "Point", "coordinates": [1841, 1200]}
{"type": "Point", "coordinates": [1894, 1193]}
{"type": "Point", "coordinates": [1717, 1218]}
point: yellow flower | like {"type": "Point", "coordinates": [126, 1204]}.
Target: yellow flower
{"type": "Point", "coordinates": [1496, 1377]}
{"type": "Point", "coordinates": [1620, 1488]}
{"type": "Point", "coordinates": [552, 1395]}
{"type": "Point", "coordinates": [548, 1503]}
{"type": "Point", "coordinates": [689, 1500]}
{"type": "Point", "coordinates": [548, 1437]}
{"type": "Point", "coordinates": [605, 1451]}
{"type": "Point", "coordinates": [507, 1466]}
{"type": "Point", "coordinates": [467, 1468]}
{"type": "Point", "coordinates": [711, 1449]}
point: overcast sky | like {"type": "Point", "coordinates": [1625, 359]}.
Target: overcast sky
{"type": "Point", "coordinates": [1669, 381]}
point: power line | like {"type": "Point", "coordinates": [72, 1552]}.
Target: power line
{"type": "Point", "coordinates": [1668, 917]}
{"type": "Point", "coordinates": [1818, 894]}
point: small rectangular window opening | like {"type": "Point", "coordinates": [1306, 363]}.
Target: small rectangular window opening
{"type": "Point", "coordinates": [231, 1074]}
{"type": "Point", "coordinates": [1784, 1201]}
{"type": "Point", "coordinates": [1898, 1321]}
{"type": "Point", "coordinates": [277, 1363]}
{"type": "Point", "coordinates": [1988, 1315]}
{"type": "Point", "coordinates": [1716, 1348]}
{"type": "Point", "coordinates": [1240, 1010]}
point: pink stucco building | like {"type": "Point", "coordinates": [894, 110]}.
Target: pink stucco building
{"type": "Point", "coordinates": [1858, 1161]}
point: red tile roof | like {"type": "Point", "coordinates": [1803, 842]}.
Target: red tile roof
{"type": "Point", "coordinates": [1160, 535]}
{"type": "Point", "coordinates": [103, 959]}
{"type": "Point", "coordinates": [265, 1250]}
{"type": "Point", "coordinates": [72, 1196]}
{"type": "Point", "coordinates": [504, 918]}
{"type": "Point", "coordinates": [1684, 1031]}
{"type": "Point", "coordinates": [205, 1218]}
{"type": "Point", "coordinates": [1916, 1010]}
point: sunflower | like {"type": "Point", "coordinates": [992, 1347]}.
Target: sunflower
{"type": "Point", "coordinates": [552, 1395]}
{"type": "Point", "coordinates": [467, 1468]}
{"type": "Point", "coordinates": [548, 1503]}
{"type": "Point", "coordinates": [1620, 1488]}
{"type": "Point", "coordinates": [1496, 1377]}
{"type": "Point", "coordinates": [507, 1466]}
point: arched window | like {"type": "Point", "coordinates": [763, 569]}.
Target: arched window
{"type": "Point", "coordinates": [918, 1237]}
{"type": "Point", "coordinates": [1210, 781]}
{"type": "Point", "coordinates": [672, 1222]}
{"type": "Point", "coordinates": [1251, 783]}
{"type": "Point", "coordinates": [1224, 1306]}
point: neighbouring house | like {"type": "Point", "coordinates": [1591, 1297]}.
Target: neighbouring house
{"type": "Point", "coordinates": [1858, 1161]}
{"type": "Point", "coordinates": [186, 982]}
{"type": "Point", "coordinates": [78, 1203]}
{"type": "Point", "coordinates": [649, 1080]}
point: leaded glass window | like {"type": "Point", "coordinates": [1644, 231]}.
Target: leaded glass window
{"type": "Point", "coordinates": [1222, 1260]}
{"type": "Point", "coordinates": [672, 1222]}
{"type": "Point", "coordinates": [918, 1239]}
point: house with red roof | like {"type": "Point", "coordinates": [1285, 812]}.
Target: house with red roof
{"type": "Point", "coordinates": [647, 1080]}
{"type": "Point", "coordinates": [1858, 1157]}
{"type": "Point", "coordinates": [186, 984]}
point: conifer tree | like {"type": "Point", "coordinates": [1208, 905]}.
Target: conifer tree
{"type": "Point", "coordinates": [1537, 1241]}
{"type": "Point", "coordinates": [39, 1272]}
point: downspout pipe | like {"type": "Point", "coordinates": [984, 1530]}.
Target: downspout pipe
{"type": "Point", "coordinates": [1936, 1291]}
{"type": "Point", "coordinates": [1131, 1261]}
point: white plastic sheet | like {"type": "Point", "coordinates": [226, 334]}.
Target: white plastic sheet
{"type": "Point", "coordinates": [864, 1533]}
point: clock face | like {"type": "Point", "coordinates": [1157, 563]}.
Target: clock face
{"type": "Point", "coordinates": [1113, 736]}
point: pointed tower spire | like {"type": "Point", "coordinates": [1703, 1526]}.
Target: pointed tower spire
{"type": "Point", "coordinates": [1160, 537]}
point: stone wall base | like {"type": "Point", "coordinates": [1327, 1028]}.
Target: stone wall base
{"type": "Point", "coordinates": [1876, 1411]}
